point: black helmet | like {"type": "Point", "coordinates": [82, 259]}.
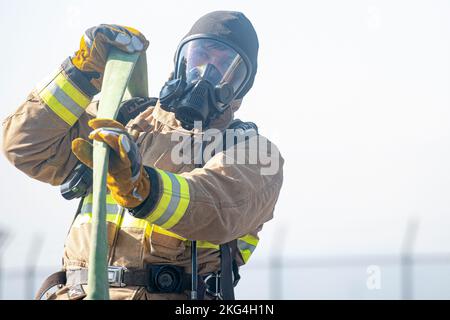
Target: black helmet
{"type": "Point", "coordinates": [235, 30]}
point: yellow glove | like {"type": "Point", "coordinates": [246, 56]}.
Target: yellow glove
{"type": "Point", "coordinates": [127, 179]}
{"type": "Point", "coordinates": [95, 45]}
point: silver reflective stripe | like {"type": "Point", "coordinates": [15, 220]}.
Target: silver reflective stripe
{"type": "Point", "coordinates": [174, 200]}
{"type": "Point", "coordinates": [110, 208]}
{"type": "Point", "coordinates": [242, 245]}
{"type": "Point", "coordinates": [65, 100]}
{"type": "Point", "coordinates": [87, 40]}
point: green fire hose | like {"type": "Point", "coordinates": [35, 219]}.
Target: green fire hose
{"type": "Point", "coordinates": [123, 71]}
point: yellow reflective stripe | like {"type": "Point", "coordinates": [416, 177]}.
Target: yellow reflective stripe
{"type": "Point", "coordinates": [82, 219]}
{"type": "Point", "coordinates": [200, 244]}
{"type": "Point", "coordinates": [182, 204]}
{"type": "Point", "coordinates": [245, 255]}
{"type": "Point", "coordinates": [131, 222]}
{"type": "Point", "coordinates": [64, 99]}
{"type": "Point", "coordinates": [173, 202]}
{"type": "Point", "coordinates": [111, 217]}
{"type": "Point", "coordinates": [57, 107]}
{"type": "Point", "coordinates": [246, 245]}
{"type": "Point", "coordinates": [119, 219]}
{"type": "Point", "coordinates": [250, 239]}
{"type": "Point", "coordinates": [205, 245]}
{"type": "Point", "coordinates": [126, 222]}
{"type": "Point", "coordinates": [75, 94]}
{"type": "Point", "coordinates": [164, 200]}
{"type": "Point", "coordinates": [87, 218]}
{"type": "Point", "coordinates": [109, 199]}
{"type": "Point", "coordinates": [158, 229]}
{"type": "Point", "coordinates": [88, 198]}
{"type": "Point", "coordinates": [148, 230]}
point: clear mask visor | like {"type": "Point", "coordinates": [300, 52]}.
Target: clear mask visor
{"type": "Point", "coordinates": [213, 61]}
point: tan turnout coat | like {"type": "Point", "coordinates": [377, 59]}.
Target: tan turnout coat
{"type": "Point", "coordinates": [227, 201]}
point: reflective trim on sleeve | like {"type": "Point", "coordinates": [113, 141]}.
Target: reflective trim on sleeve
{"type": "Point", "coordinates": [64, 99]}
{"type": "Point", "coordinates": [75, 94]}
{"type": "Point", "coordinates": [246, 245]}
{"type": "Point", "coordinates": [173, 202]}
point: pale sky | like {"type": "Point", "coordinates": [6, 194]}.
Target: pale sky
{"type": "Point", "coordinates": [356, 95]}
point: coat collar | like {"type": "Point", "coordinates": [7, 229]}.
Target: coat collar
{"type": "Point", "coordinates": [168, 119]}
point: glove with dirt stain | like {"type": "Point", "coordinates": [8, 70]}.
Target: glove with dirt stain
{"type": "Point", "coordinates": [127, 179]}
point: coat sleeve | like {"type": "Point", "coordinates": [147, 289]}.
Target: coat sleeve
{"type": "Point", "coordinates": [222, 201]}
{"type": "Point", "coordinates": [37, 137]}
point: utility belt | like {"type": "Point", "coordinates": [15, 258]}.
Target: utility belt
{"type": "Point", "coordinates": [155, 278]}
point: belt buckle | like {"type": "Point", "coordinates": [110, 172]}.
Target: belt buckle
{"type": "Point", "coordinates": [217, 293]}
{"type": "Point", "coordinates": [115, 276]}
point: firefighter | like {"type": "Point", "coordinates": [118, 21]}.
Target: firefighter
{"type": "Point", "coordinates": [156, 204]}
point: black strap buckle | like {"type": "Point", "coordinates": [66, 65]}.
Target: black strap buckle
{"type": "Point", "coordinates": [212, 282]}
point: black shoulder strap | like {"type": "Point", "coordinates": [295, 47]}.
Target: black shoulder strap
{"type": "Point", "coordinates": [239, 128]}
{"type": "Point", "coordinates": [130, 109]}
{"type": "Point", "coordinates": [80, 206]}
{"type": "Point", "coordinates": [227, 269]}
{"type": "Point", "coordinates": [235, 267]}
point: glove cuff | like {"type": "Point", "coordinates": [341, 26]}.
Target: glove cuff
{"type": "Point", "coordinates": [168, 200]}
{"type": "Point", "coordinates": [79, 78]}
{"type": "Point", "coordinates": [149, 203]}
